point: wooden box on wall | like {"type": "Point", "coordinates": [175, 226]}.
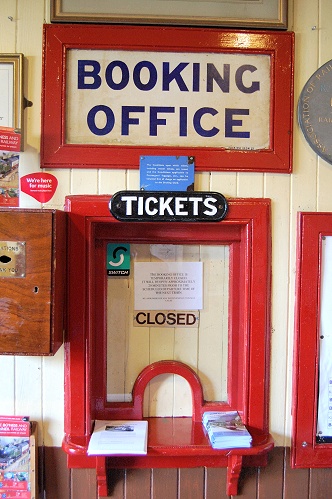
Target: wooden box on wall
{"type": "Point", "coordinates": [32, 280]}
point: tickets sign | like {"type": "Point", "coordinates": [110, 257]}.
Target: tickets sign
{"type": "Point", "coordinates": [150, 206]}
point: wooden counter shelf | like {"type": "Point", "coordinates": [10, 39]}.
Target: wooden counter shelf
{"type": "Point", "coordinates": [174, 442]}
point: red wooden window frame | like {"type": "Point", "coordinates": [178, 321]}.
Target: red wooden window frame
{"type": "Point", "coordinates": [58, 39]}
{"type": "Point", "coordinates": [90, 224]}
{"type": "Point", "coordinates": [306, 452]}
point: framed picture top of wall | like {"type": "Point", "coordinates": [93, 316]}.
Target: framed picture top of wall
{"type": "Point", "coordinates": [112, 94]}
{"type": "Point", "coordinates": [219, 13]}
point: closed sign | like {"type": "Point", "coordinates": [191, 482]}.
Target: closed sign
{"type": "Point", "coordinates": [162, 318]}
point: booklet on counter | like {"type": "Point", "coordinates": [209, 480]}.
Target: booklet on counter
{"type": "Point", "coordinates": [226, 430]}
{"type": "Point", "coordinates": [119, 438]}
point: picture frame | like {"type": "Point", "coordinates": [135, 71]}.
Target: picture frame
{"type": "Point", "coordinates": [312, 378]}
{"type": "Point", "coordinates": [71, 138]}
{"type": "Point", "coordinates": [264, 14]}
{"type": "Point", "coordinates": [11, 90]}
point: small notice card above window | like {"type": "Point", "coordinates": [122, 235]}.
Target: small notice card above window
{"type": "Point", "coordinates": [167, 173]}
{"type": "Point", "coordinates": [168, 285]}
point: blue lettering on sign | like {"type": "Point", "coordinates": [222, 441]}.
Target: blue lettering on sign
{"type": "Point", "coordinates": [168, 76]}
{"type": "Point", "coordinates": [127, 120]}
{"type": "Point", "coordinates": [85, 74]}
{"type": "Point", "coordinates": [109, 116]}
{"type": "Point", "coordinates": [124, 75]}
{"type": "Point", "coordinates": [152, 72]}
{"type": "Point", "coordinates": [145, 77]}
{"type": "Point", "coordinates": [197, 122]}
{"type": "Point", "coordinates": [230, 123]}
{"type": "Point", "coordinates": [155, 121]}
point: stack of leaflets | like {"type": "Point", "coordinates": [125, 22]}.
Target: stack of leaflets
{"type": "Point", "coordinates": [226, 430]}
{"type": "Point", "coordinates": [15, 472]}
{"type": "Point", "coordinates": [119, 438]}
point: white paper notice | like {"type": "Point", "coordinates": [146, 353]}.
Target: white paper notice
{"type": "Point", "coordinates": [324, 420]}
{"type": "Point", "coordinates": [7, 95]}
{"type": "Point", "coordinates": [168, 285]}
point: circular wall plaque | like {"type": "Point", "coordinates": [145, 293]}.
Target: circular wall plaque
{"type": "Point", "coordinates": [315, 111]}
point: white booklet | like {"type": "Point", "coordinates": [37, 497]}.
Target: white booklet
{"type": "Point", "coordinates": [119, 438]}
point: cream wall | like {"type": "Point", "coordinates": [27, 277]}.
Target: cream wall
{"type": "Point", "coordinates": [34, 385]}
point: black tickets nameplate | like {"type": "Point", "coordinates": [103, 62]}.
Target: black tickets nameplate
{"type": "Point", "coordinates": [178, 206]}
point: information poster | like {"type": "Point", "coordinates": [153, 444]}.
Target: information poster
{"type": "Point", "coordinates": [167, 173]}
{"type": "Point", "coordinates": [324, 420]}
{"type": "Point", "coordinates": [7, 95]}
{"type": "Point", "coordinates": [168, 285]}
{"type": "Point", "coordinates": [9, 178]}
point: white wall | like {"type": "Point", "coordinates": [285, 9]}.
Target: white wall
{"type": "Point", "coordinates": [34, 385]}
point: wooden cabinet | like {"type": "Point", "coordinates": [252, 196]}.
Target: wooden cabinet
{"type": "Point", "coordinates": [32, 280]}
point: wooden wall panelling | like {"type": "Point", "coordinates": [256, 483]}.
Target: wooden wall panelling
{"type": "Point", "coordinates": [296, 481]}
{"type": "Point", "coordinates": [279, 190]}
{"type": "Point", "coordinates": [28, 25]}
{"type": "Point", "coordinates": [8, 10]}
{"type": "Point", "coordinates": [248, 483]}
{"type": "Point", "coordinates": [325, 40]}
{"type": "Point", "coordinates": [225, 183]}
{"type": "Point", "coordinates": [275, 481]}
{"type": "Point", "coordinates": [110, 182]}
{"type": "Point", "coordinates": [215, 483]}
{"type": "Point", "coordinates": [138, 484]}
{"type": "Point", "coordinates": [84, 180]}
{"type": "Point", "coordinates": [270, 483]}
{"type": "Point", "coordinates": [116, 480]}
{"type": "Point", "coordinates": [191, 483]}
{"type": "Point", "coordinates": [83, 484]}
{"type": "Point", "coordinates": [320, 485]}
{"type": "Point", "coordinates": [55, 477]}
{"type": "Point", "coordinates": [164, 483]}
{"type": "Point", "coordinates": [7, 371]}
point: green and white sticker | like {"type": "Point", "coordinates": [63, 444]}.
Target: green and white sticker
{"type": "Point", "coordinates": [118, 259]}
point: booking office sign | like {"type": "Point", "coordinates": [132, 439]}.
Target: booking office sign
{"type": "Point", "coordinates": [136, 98]}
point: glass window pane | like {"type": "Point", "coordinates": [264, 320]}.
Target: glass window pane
{"type": "Point", "coordinates": [324, 419]}
{"type": "Point", "coordinates": [203, 346]}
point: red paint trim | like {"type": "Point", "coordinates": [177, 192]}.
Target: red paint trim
{"type": "Point", "coordinates": [247, 228]}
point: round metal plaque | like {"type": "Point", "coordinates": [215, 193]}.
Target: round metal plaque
{"type": "Point", "coordinates": [315, 111]}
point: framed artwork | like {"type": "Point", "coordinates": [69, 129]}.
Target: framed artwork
{"type": "Point", "coordinates": [114, 93]}
{"type": "Point", "coordinates": [251, 13]}
{"type": "Point", "coordinates": [11, 91]}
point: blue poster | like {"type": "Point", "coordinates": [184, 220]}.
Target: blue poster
{"type": "Point", "coordinates": [167, 173]}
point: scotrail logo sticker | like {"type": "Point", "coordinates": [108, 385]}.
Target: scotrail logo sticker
{"type": "Point", "coordinates": [118, 259]}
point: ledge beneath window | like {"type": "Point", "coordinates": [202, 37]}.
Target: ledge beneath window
{"type": "Point", "coordinates": [176, 443]}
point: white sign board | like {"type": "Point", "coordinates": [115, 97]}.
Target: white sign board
{"type": "Point", "coordinates": [324, 420]}
{"type": "Point", "coordinates": [168, 285]}
{"type": "Point", "coordinates": [7, 95]}
{"type": "Point", "coordinates": [121, 97]}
